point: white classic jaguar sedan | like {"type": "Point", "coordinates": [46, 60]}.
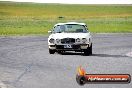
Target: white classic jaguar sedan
{"type": "Point", "coordinates": [71, 36]}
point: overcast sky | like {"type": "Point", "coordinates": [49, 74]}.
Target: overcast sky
{"type": "Point", "coordinates": [78, 1]}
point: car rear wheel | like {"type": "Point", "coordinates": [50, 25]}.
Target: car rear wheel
{"type": "Point", "coordinates": [51, 51]}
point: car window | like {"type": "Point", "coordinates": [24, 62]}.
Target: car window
{"type": "Point", "coordinates": [70, 28]}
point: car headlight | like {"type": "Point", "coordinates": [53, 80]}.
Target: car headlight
{"type": "Point", "coordinates": [77, 40]}
{"type": "Point", "coordinates": [58, 40]}
{"type": "Point", "coordinates": [51, 40]}
{"type": "Point", "coordinates": [84, 40]}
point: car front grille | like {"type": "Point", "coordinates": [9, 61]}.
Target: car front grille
{"type": "Point", "coordinates": [68, 41]}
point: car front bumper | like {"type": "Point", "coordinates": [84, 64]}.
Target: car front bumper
{"type": "Point", "coordinates": [72, 47]}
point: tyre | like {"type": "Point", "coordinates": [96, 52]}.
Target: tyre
{"type": "Point", "coordinates": [51, 51]}
{"type": "Point", "coordinates": [88, 51]}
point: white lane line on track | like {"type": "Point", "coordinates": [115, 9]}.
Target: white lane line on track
{"type": "Point", "coordinates": [129, 54]}
{"type": "Point", "coordinates": [2, 85]}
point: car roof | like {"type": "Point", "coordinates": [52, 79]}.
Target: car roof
{"type": "Point", "coordinates": [70, 23]}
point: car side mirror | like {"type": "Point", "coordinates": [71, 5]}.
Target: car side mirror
{"type": "Point", "coordinates": [49, 32]}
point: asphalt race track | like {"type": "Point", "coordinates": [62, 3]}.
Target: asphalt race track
{"type": "Point", "coordinates": [26, 63]}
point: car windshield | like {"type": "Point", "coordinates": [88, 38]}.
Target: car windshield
{"type": "Point", "coordinates": [70, 28]}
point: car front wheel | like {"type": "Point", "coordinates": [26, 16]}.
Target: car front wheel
{"type": "Point", "coordinates": [88, 51]}
{"type": "Point", "coordinates": [51, 51]}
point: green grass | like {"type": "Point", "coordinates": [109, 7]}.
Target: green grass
{"type": "Point", "coordinates": [32, 18]}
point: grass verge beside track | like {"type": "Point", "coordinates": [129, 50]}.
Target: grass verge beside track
{"type": "Point", "coordinates": [34, 18]}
